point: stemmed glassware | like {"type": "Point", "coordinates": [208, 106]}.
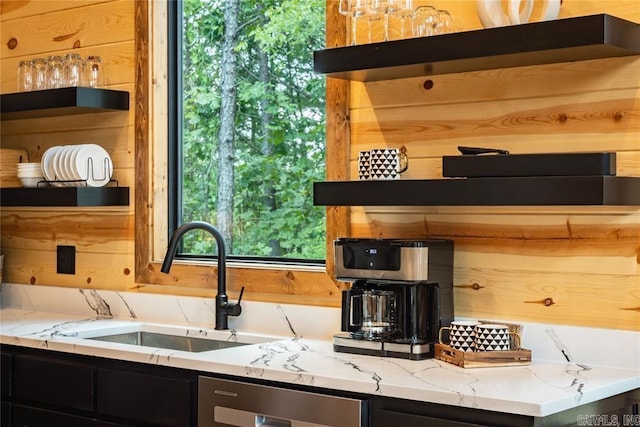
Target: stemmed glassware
{"type": "Point", "coordinates": [403, 9]}
{"type": "Point", "coordinates": [354, 9]}
{"type": "Point", "coordinates": [423, 20]}
{"type": "Point", "coordinates": [376, 10]}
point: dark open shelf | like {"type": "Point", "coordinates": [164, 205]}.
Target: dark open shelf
{"type": "Point", "coordinates": [517, 191]}
{"type": "Point", "coordinates": [561, 40]}
{"type": "Point", "coordinates": [65, 196]}
{"type": "Point", "coordinates": [63, 101]}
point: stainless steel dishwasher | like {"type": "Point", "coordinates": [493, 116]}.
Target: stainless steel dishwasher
{"type": "Point", "coordinates": [233, 403]}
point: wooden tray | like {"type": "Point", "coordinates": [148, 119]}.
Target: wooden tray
{"type": "Point", "coordinates": [482, 359]}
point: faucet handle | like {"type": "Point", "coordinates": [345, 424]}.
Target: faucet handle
{"type": "Point", "coordinates": [234, 309]}
{"type": "Point", "coordinates": [240, 296]}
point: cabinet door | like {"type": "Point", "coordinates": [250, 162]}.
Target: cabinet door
{"type": "Point", "coordinates": [6, 378]}
{"type": "Point", "coordinates": [26, 416]}
{"type": "Point", "coordinates": [152, 399]}
{"type": "Point", "coordinates": [383, 418]}
{"type": "Point", "coordinates": [5, 414]}
{"type": "Point", "coordinates": [53, 382]}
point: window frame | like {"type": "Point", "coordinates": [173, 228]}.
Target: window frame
{"type": "Point", "coordinates": [285, 283]}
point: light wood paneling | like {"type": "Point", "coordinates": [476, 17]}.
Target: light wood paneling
{"type": "Point", "coordinates": [103, 237]}
{"type": "Point", "coordinates": [12, 9]}
{"type": "Point", "coordinates": [53, 31]}
{"type": "Point", "coordinates": [93, 270]}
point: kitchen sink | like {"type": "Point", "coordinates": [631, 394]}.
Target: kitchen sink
{"type": "Point", "coordinates": [173, 342]}
{"type": "Point", "coordinates": [174, 338]}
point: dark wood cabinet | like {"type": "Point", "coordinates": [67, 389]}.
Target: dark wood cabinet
{"type": "Point", "coordinates": [54, 383]}
{"type": "Point", "coordinates": [26, 416]}
{"type": "Point", "coordinates": [42, 388]}
{"type": "Point", "coordinates": [146, 398]}
{"type": "Point", "coordinates": [391, 418]}
{"type": "Point", "coordinates": [6, 413]}
{"type": "Point", "coordinates": [60, 389]}
{"type": "Point", "coordinates": [391, 412]}
{"type": "Point", "coordinates": [6, 376]}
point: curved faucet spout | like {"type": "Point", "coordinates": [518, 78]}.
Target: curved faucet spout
{"type": "Point", "coordinates": [223, 307]}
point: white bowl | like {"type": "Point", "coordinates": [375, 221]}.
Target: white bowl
{"type": "Point", "coordinates": [31, 181]}
{"type": "Point", "coordinates": [29, 174]}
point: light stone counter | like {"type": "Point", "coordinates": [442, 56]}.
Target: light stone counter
{"type": "Point", "coordinates": [299, 350]}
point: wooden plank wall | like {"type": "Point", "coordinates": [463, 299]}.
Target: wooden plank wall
{"type": "Point", "coordinates": [577, 266]}
{"type": "Point", "coordinates": [564, 265]}
{"type": "Point", "coordinates": [103, 237]}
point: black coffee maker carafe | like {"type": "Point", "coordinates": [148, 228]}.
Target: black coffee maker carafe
{"type": "Point", "coordinates": [401, 295]}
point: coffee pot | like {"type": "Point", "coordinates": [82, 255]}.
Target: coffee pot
{"type": "Point", "coordinates": [401, 295]}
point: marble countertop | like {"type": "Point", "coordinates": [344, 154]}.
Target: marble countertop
{"type": "Point", "coordinates": [540, 389]}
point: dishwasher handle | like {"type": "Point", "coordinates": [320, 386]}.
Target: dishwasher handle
{"type": "Point", "coordinates": [264, 421]}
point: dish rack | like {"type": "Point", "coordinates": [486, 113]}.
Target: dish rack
{"type": "Point", "coordinates": [91, 173]}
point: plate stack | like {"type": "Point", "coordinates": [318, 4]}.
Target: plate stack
{"type": "Point", "coordinates": [77, 165]}
{"type": "Point", "coordinates": [30, 174]}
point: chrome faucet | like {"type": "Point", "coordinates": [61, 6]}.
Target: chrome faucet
{"type": "Point", "coordinates": [223, 307]}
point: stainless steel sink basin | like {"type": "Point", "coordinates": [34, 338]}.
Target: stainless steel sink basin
{"type": "Point", "coordinates": [173, 342]}
{"type": "Point", "coordinates": [173, 337]}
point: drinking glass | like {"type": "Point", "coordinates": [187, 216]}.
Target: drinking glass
{"type": "Point", "coordinates": [25, 76]}
{"type": "Point", "coordinates": [445, 22]}
{"type": "Point", "coordinates": [403, 9]}
{"type": "Point", "coordinates": [39, 74]}
{"type": "Point", "coordinates": [72, 69]}
{"type": "Point", "coordinates": [55, 72]}
{"type": "Point", "coordinates": [354, 9]}
{"type": "Point", "coordinates": [424, 21]}
{"type": "Point", "coordinates": [93, 72]}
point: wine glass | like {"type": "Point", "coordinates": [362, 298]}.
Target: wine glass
{"type": "Point", "coordinates": [354, 9]}
{"type": "Point", "coordinates": [376, 10]}
{"type": "Point", "coordinates": [403, 9]}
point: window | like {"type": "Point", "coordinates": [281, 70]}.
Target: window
{"type": "Point", "coordinates": [247, 127]}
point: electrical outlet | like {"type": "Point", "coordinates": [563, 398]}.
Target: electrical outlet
{"type": "Point", "coordinates": [66, 263]}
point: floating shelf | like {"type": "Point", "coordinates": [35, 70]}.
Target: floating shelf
{"type": "Point", "coordinates": [561, 40]}
{"type": "Point", "coordinates": [517, 191]}
{"type": "Point", "coordinates": [65, 196]}
{"type": "Point", "coordinates": [60, 102]}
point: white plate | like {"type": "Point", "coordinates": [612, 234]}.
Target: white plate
{"type": "Point", "coordinates": [57, 175]}
{"type": "Point", "coordinates": [64, 165]}
{"type": "Point", "coordinates": [47, 165]}
{"type": "Point", "coordinates": [71, 163]}
{"type": "Point", "coordinates": [59, 165]}
{"type": "Point", "coordinates": [94, 165]}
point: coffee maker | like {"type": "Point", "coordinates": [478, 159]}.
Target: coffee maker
{"type": "Point", "coordinates": [400, 297]}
